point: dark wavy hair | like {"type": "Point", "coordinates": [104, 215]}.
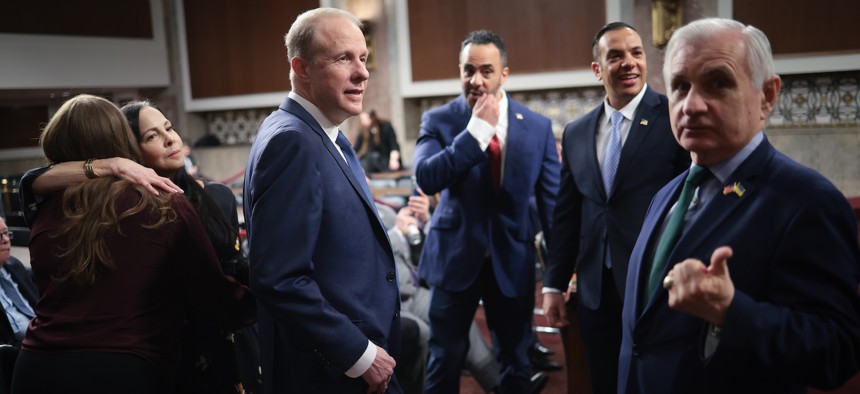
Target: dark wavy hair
{"type": "Point", "coordinates": [221, 233]}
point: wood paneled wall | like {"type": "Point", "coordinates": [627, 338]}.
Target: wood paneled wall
{"type": "Point", "coordinates": [540, 35]}
{"type": "Point", "coordinates": [100, 18]}
{"type": "Point", "coordinates": [237, 47]}
{"type": "Point", "coordinates": [20, 126]}
{"type": "Point", "coordinates": [803, 26]}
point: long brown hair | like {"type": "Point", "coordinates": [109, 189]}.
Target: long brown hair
{"type": "Point", "coordinates": [90, 127]}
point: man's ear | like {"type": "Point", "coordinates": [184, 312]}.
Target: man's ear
{"type": "Point", "coordinates": [300, 67]}
{"type": "Point", "coordinates": [595, 67]}
{"type": "Point", "coordinates": [771, 94]}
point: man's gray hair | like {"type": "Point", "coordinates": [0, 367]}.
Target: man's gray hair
{"type": "Point", "coordinates": [300, 39]}
{"type": "Point", "coordinates": [759, 55]}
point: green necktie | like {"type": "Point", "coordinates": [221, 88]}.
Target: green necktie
{"type": "Point", "coordinates": [673, 228]}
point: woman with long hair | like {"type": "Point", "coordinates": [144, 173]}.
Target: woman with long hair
{"type": "Point", "coordinates": [208, 360]}
{"type": "Point", "coordinates": [118, 268]}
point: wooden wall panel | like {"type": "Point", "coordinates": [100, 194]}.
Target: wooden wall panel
{"type": "Point", "coordinates": [237, 48]}
{"type": "Point", "coordinates": [803, 26]}
{"type": "Point", "coordinates": [20, 126]}
{"type": "Point", "coordinates": [540, 35]}
{"type": "Point", "coordinates": [102, 18]}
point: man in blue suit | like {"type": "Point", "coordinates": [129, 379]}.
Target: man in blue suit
{"type": "Point", "coordinates": [596, 222]}
{"type": "Point", "coordinates": [487, 155]}
{"type": "Point", "coordinates": [19, 292]}
{"type": "Point", "coordinates": [749, 283]}
{"type": "Point", "coordinates": [321, 264]}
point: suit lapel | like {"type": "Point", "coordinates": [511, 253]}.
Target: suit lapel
{"type": "Point", "coordinates": [297, 110]}
{"type": "Point", "coordinates": [720, 209]}
{"type": "Point", "coordinates": [641, 126]}
{"type": "Point", "coordinates": [723, 206]}
{"type": "Point", "coordinates": [591, 149]}
{"type": "Point", "coordinates": [517, 138]}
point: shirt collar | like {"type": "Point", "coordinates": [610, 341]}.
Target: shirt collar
{"type": "Point", "coordinates": [722, 171]}
{"type": "Point", "coordinates": [328, 126]}
{"type": "Point", "coordinates": [628, 110]}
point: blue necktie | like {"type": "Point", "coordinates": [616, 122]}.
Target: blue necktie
{"type": "Point", "coordinates": [613, 153]}
{"type": "Point", "coordinates": [354, 165]}
{"type": "Point", "coordinates": [673, 228]}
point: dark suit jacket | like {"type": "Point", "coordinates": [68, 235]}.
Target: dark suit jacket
{"type": "Point", "coordinates": [321, 264]}
{"type": "Point", "coordinates": [24, 279]}
{"type": "Point", "coordinates": [795, 317]}
{"type": "Point", "coordinates": [585, 220]}
{"type": "Point", "coordinates": [471, 217]}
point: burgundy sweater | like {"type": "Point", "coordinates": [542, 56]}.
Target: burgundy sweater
{"type": "Point", "coordinates": [160, 275]}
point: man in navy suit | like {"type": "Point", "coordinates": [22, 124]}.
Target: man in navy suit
{"type": "Point", "coordinates": [19, 292]}
{"type": "Point", "coordinates": [596, 223]}
{"type": "Point", "coordinates": [487, 155]}
{"type": "Point", "coordinates": [758, 292]}
{"type": "Point", "coordinates": [321, 264]}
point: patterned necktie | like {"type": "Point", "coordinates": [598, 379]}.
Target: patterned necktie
{"type": "Point", "coordinates": [354, 165]}
{"type": "Point", "coordinates": [673, 227]}
{"type": "Point", "coordinates": [613, 152]}
{"type": "Point", "coordinates": [494, 152]}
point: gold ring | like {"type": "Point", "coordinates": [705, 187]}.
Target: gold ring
{"type": "Point", "coordinates": [668, 282]}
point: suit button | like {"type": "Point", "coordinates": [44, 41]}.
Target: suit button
{"type": "Point", "coordinates": [635, 350]}
{"type": "Point", "coordinates": [391, 276]}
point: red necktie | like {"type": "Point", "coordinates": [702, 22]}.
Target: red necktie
{"type": "Point", "coordinates": [494, 152]}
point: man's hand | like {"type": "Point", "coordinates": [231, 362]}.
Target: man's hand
{"type": "Point", "coordinates": [554, 310]}
{"type": "Point", "coordinates": [404, 218]}
{"type": "Point", "coordinates": [380, 372]}
{"type": "Point", "coordinates": [487, 109]}
{"type": "Point", "coordinates": [704, 292]}
{"type": "Point", "coordinates": [420, 206]}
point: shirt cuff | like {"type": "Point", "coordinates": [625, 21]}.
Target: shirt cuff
{"type": "Point", "coordinates": [548, 290]}
{"type": "Point", "coordinates": [364, 362]}
{"type": "Point", "coordinates": [481, 130]}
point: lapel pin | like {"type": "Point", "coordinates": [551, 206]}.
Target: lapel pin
{"type": "Point", "coordinates": [519, 116]}
{"type": "Point", "coordinates": [643, 122]}
{"type": "Point", "coordinates": [735, 188]}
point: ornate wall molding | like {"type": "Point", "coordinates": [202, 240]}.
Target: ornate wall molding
{"type": "Point", "coordinates": [831, 99]}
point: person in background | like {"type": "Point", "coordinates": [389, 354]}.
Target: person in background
{"type": "Point", "coordinates": [321, 264]}
{"type": "Point", "coordinates": [19, 292]}
{"type": "Point", "coordinates": [209, 363]}
{"type": "Point", "coordinates": [744, 277]}
{"type": "Point", "coordinates": [614, 159]}
{"type": "Point", "coordinates": [376, 144]}
{"type": "Point", "coordinates": [487, 155]}
{"type": "Point", "coordinates": [117, 267]}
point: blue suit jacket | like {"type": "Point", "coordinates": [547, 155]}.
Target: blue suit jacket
{"type": "Point", "coordinates": [795, 317]}
{"type": "Point", "coordinates": [471, 217]}
{"type": "Point", "coordinates": [23, 277]}
{"type": "Point", "coordinates": [585, 219]}
{"type": "Point", "coordinates": [321, 264]}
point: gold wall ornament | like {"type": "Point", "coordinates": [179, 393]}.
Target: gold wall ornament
{"type": "Point", "coordinates": [666, 17]}
{"type": "Point", "coordinates": [367, 29]}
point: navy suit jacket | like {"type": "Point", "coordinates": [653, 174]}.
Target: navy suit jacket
{"type": "Point", "coordinates": [585, 219]}
{"type": "Point", "coordinates": [471, 217]}
{"type": "Point", "coordinates": [321, 264]}
{"type": "Point", "coordinates": [23, 277]}
{"type": "Point", "coordinates": [795, 317]}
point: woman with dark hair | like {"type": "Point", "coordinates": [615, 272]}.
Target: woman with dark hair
{"type": "Point", "coordinates": [376, 145]}
{"type": "Point", "coordinates": [208, 360]}
{"type": "Point", "coordinates": [118, 268]}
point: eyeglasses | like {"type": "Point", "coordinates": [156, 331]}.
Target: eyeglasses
{"type": "Point", "coordinates": [7, 234]}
